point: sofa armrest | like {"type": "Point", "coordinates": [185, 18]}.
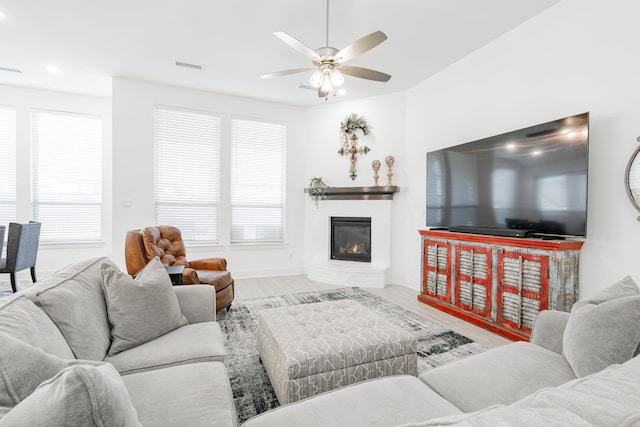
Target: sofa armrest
{"type": "Point", "coordinates": [209, 264]}
{"type": "Point", "coordinates": [197, 302]}
{"type": "Point", "coordinates": [549, 329]}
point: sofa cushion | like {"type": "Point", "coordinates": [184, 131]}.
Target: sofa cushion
{"type": "Point", "coordinates": [185, 395]}
{"type": "Point", "coordinates": [498, 376]}
{"type": "Point", "coordinates": [610, 397]}
{"type": "Point", "coordinates": [197, 302]}
{"type": "Point", "coordinates": [140, 309]}
{"type": "Point", "coordinates": [198, 342]}
{"type": "Point", "coordinates": [548, 329]}
{"type": "Point", "coordinates": [380, 402]}
{"type": "Point", "coordinates": [73, 299]}
{"type": "Point", "coordinates": [80, 395]}
{"type": "Point", "coordinates": [623, 288]}
{"type": "Point", "coordinates": [22, 368]}
{"type": "Point", "coordinates": [600, 335]}
{"type": "Point", "coordinates": [22, 319]}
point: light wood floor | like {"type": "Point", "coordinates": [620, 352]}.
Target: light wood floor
{"type": "Point", "coordinates": [262, 287]}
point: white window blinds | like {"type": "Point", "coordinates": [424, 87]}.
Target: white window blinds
{"type": "Point", "coordinates": [67, 175]}
{"type": "Point", "coordinates": [257, 181]}
{"type": "Point", "coordinates": [187, 172]}
{"type": "Point", "coordinates": [7, 165]}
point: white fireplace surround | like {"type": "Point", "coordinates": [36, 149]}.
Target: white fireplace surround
{"type": "Point", "coordinates": [348, 273]}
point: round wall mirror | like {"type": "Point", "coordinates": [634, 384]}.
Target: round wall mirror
{"type": "Point", "coordinates": [632, 178]}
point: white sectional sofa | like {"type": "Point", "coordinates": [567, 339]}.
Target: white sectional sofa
{"type": "Point", "coordinates": [580, 369]}
{"type": "Point", "coordinates": [86, 346]}
{"type": "Point", "coordinates": [58, 365]}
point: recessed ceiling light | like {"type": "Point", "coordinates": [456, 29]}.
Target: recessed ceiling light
{"type": "Point", "coordinates": [53, 69]}
{"type": "Point", "coordinates": [341, 92]}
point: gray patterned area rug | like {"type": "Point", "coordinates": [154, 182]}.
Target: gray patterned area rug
{"type": "Point", "coordinates": [252, 391]}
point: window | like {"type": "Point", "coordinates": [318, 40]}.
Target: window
{"type": "Point", "coordinates": [257, 181]}
{"type": "Point", "coordinates": [187, 172]}
{"type": "Point", "coordinates": [561, 192]}
{"type": "Point", "coordinates": [436, 188]}
{"type": "Point", "coordinates": [503, 188]}
{"type": "Point", "coordinates": [504, 194]}
{"type": "Point", "coordinates": [67, 175]}
{"type": "Point", "coordinates": [7, 165]}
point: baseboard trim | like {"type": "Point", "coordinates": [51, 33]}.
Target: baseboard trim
{"type": "Point", "coordinates": [250, 274]}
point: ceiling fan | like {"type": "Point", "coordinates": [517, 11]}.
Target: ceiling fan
{"type": "Point", "coordinates": [328, 61]}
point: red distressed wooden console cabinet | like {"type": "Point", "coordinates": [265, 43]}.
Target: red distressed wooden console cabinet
{"type": "Point", "coordinates": [498, 283]}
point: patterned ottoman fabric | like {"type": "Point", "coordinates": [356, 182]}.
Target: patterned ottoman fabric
{"type": "Point", "coordinates": [312, 348]}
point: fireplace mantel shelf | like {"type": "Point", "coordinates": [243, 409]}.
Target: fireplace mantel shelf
{"type": "Point", "coordinates": [359, 193]}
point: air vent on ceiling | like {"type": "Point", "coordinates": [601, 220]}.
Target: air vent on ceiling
{"type": "Point", "coordinates": [190, 66]}
{"type": "Point", "coordinates": [10, 70]}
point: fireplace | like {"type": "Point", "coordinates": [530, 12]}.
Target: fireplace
{"type": "Point", "coordinates": [351, 239]}
{"type": "Point", "coordinates": [322, 268]}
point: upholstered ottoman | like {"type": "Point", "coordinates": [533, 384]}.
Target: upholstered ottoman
{"type": "Point", "coordinates": [308, 349]}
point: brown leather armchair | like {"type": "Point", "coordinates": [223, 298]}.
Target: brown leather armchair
{"type": "Point", "coordinates": [165, 242]}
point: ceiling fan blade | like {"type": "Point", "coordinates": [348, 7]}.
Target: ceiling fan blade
{"type": "Point", "coordinates": [322, 94]}
{"type": "Point", "coordinates": [297, 45]}
{"type": "Point", "coordinates": [361, 46]}
{"type": "Point", "coordinates": [285, 72]}
{"type": "Point", "coordinates": [303, 86]}
{"type": "Point", "coordinates": [364, 73]}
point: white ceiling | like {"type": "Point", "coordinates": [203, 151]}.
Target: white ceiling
{"type": "Point", "coordinates": [94, 40]}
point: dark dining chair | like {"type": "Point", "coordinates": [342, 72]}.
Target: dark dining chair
{"type": "Point", "coordinates": [22, 250]}
{"type": "Point", "coordinates": [2, 230]}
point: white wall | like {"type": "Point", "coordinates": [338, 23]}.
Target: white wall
{"type": "Point", "coordinates": [577, 56]}
{"type": "Point", "coordinates": [386, 117]}
{"type": "Point", "coordinates": [133, 139]}
{"type": "Point", "coordinates": [52, 257]}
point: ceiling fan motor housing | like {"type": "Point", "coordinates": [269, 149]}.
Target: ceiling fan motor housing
{"type": "Point", "coordinates": [327, 54]}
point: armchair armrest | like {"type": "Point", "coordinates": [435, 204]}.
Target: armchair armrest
{"type": "Point", "coordinates": [197, 302]}
{"type": "Point", "coordinates": [190, 277]}
{"type": "Point", "coordinates": [548, 329]}
{"type": "Point", "coordinates": [219, 264]}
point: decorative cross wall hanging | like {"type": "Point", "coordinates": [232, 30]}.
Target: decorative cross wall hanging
{"type": "Point", "coordinates": [348, 128]}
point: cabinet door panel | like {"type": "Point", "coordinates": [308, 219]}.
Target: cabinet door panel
{"type": "Point", "coordinates": [473, 279]}
{"type": "Point", "coordinates": [522, 289]}
{"type": "Point", "coordinates": [437, 268]}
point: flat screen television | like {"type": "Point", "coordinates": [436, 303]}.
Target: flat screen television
{"type": "Point", "coordinates": [528, 182]}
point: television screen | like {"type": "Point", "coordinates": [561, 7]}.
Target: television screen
{"type": "Point", "coordinates": [532, 179]}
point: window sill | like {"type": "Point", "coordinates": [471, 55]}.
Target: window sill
{"type": "Point", "coordinates": [71, 245]}
{"type": "Point", "coordinates": [258, 245]}
{"type": "Point", "coordinates": [237, 246]}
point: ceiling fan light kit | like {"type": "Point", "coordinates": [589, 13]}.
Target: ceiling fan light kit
{"type": "Point", "coordinates": [326, 78]}
{"type": "Point", "coordinates": [328, 71]}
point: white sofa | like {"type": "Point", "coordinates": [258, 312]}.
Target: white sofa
{"type": "Point", "coordinates": [580, 369]}
{"type": "Point", "coordinates": [55, 338]}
